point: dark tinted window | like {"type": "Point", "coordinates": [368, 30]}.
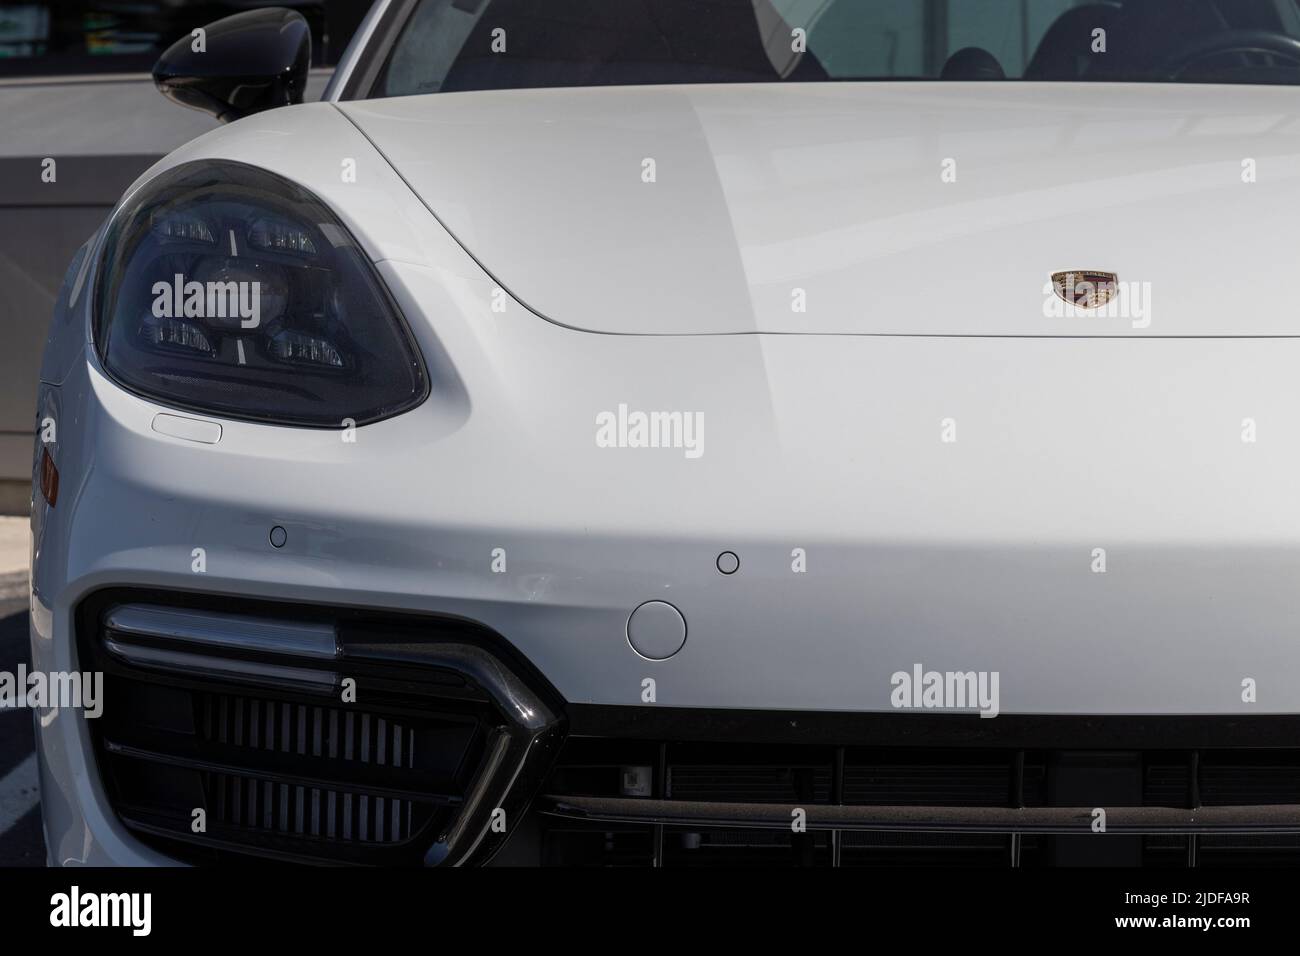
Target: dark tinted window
{"type": "Point", "coordinates": [448, 45]}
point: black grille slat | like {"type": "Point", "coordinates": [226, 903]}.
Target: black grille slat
{"type": "Point", "coordinates": [1242, 782]}
{"type": "Point", "coordinates": [759, 784]}
{"type": "Point", "coordinates": [321, 802]}
{"type": "Point", "coordinates": [927, 785]}
{"type": "Point", "coordinates": [308, 732]}
{"type": "Point", "coordinates": [710, 785]}
{"type": "Point", "coordinates": [451, 727]}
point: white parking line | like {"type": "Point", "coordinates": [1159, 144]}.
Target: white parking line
{"type": "Point", "coordinates": [18, 793]}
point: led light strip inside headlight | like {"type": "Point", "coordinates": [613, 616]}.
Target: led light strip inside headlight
{"type": "Point", "coordinates": [229, 290]}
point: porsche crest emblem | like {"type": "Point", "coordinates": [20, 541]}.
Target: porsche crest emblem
{"type": "Point", "coordinates": [1084, 288]}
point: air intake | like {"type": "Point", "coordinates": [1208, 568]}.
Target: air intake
{"type": "Point", "coordinates": [707, 803]}
{"type": "Point", "coordinates": [309, 734]}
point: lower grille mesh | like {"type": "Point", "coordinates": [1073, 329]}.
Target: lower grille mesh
{"type": "Point", "coordinates": [794, 776]}
{"type": "Point", "coordinates": [319, 732]}
{"type": "Point", "coordinates": [310, 734]}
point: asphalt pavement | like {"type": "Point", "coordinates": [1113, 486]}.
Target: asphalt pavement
{"type": "Point", "coordinates": [21, 840]}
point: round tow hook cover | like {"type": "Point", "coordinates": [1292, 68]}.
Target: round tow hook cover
{"type": "Point", "coordinates": [656, 630]}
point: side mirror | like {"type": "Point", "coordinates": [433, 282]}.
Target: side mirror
{"type": "Point", "coordinates": [241, 64]}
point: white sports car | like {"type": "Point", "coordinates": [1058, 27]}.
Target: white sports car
{"type": "Point", "coordinates": [688, 431]}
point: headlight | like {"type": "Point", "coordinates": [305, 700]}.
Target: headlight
{"type": "Point", "coordinates": [230, 290]}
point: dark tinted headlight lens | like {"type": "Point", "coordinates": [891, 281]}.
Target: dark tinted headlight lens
{"type": "Point", "coordinates": [232, 291]}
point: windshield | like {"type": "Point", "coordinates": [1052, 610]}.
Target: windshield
{"type": "Point", "coordinates": [451, 45]}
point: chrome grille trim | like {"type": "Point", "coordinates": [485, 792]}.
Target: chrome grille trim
{"type": "Point", "coordinates": [220, 631]}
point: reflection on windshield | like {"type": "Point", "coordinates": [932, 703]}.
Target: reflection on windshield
{"type": "Point", "coordinates": [451, 45]}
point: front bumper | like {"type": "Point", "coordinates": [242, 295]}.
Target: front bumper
{"type": "Point", "coordinates": [451, 749]}
{"type": "Point", "coordinates": [492, 503]}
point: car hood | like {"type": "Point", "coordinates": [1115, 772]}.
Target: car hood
{"type": "Point", "coordinates": [902, 208]}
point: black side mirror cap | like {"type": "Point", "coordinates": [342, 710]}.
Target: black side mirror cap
{"type": "Point", "coordinates": [239, 65]}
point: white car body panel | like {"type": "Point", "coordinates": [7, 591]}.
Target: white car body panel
{"type": "Point", "coordinates": [977, 554]}
{"type": "Point", "coordinates": [837, 189]}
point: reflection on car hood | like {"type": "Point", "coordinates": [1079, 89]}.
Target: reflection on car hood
{"type": "Point", "coordinates": [902, 208]}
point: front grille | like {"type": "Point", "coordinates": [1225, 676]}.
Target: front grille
{"type": "Point", "coordinates": [743, 796]}
{"type": "Point", "coordinates": [224, 736]}
{"type": "Point", "coordinates": [206, 758]}
{"type": "Point", "coordinates": [935, 779]}
{"type": "Point", "coordinates": [745, 782]}
{"type": "Point", "coordinates": [325, 734]}
{"type": "Point", "coordinates": [1250, 779]}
